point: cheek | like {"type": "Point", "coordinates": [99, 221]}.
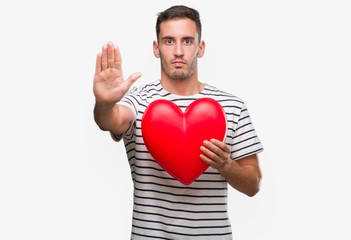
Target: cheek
{"type": "Point", "coordinates": [193, 60]}
{"type": "Point", "coordinates": [164, 56]}
{"type": "Point", "coordinates": [193, 53]}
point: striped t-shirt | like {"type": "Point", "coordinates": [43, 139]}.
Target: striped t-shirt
{"type": "Point", "coordinates": [165, 208]}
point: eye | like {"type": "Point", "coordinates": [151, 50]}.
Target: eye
{"type": "Point", "coordinates": [169, 41]}
{"type": "Point", "coordinates": [188, 41]}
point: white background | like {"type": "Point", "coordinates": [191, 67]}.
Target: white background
{"type": "Point", "coordinates": [63, 178]}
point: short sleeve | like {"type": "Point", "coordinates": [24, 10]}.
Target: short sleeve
{"type": "Point", "coordinates": [245, 141]}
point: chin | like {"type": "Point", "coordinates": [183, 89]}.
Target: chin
{"type": "Point", "coordinates": [180, 75]}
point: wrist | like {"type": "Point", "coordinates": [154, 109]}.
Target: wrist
{"type": "Point", "coordinates": [104, 105]}
{"type": "Point", "coordinates": [226, 167]}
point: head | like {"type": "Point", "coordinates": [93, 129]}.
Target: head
{"type": "Point", "coordinates": [179, 12]}
{"type": "Point", "coordinates": [178, 42]}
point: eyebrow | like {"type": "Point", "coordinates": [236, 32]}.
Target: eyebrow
{"type": "Point", "coordinates": [167, 37]}
{"type": "Point", "coordinates": [170, 37]}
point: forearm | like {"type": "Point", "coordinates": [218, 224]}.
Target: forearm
{"type": "Point", "coordinates": [243, 174]}
{"type": "Point", "coordinates": [105, 116]}
{"type": "Point", "coordinates": [109, 118]}
{"type": "Point", "coordinates": [245, 179]}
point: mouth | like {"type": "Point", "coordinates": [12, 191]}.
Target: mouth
{"type": "Point", "coordinates": [178, 63]}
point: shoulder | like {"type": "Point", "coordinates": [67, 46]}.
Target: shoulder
{"type": "Point", "coordinates": [146, 89]}
{"type": "Point", "coordinates": [222, 97]}
{"type": "Point", "coordinates": [142, 95]}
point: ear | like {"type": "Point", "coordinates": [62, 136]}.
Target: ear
{"type": "Point", "coordinates": [156, 50]}
{"type": "Point", "coordinates": [201, 51]}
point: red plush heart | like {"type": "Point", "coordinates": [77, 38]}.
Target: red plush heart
{"type": "Point", "coordinates": [174, 138]}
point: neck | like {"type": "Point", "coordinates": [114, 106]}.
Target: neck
{"type": "Point", "coordinates": [183, 87]}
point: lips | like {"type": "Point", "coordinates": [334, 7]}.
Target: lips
{"type": "Point", "coordinates": [178, 63]}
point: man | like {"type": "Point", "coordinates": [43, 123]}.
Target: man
{"type": "Point", "coordinates": [163, 207]}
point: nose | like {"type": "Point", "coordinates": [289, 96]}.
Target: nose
{"type": "Point", "coordinates": [178, 50]}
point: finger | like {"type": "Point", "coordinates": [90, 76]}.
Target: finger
{"type": "Point", "coordinates": [104, 58]}
{"type": "Point", "coordinates": [213, 156]}
{"type": "Point", "coordinates": [132, 79]}
{"type": "Point", "coordinates": [207, 160]}
{"type": "Point", "coordinates": [213, 147]}
{"type": "Point", "coordinates": [221, 145]}
{"type": "Point", "coordinates": [110, 55]}
{"type": "Point", "coordinates": [98, 64]}
{"type": "Point", "coordinates": [118, 59]}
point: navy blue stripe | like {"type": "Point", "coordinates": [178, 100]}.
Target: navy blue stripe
{"type": "Point", "coordinates": [180, 195]}
{"type": "Point", "coordinates": [213, 181]}
{"type": "Point", "coordinates": [141, 159]}
{"type": "Point", "coordinates": [143, 96]}
{"type": "Point", "coordinates": [151, 85]}
{"type": "Point", "coordinates": [183, 99]}
{"type": "Point", "coordinates": [240, 149]}
{"type": "Point", "coordinates": [231, 129]}
{"type": "Point", "coordinates": [244, 140]}
{"type": "Point", "coordinates": [252, 130]}
{"type": "Point", "coordinates": [180, 226]}
{"type": "Point", "coordinates": [249, 153]}
{"type": "Point", "coordinates": [177, 210]}
{"type": "Point", "coordinates": [178, 202]}
{"type": "Point", "coordinates": [155, 176]}
{"type": "Point", "coordinates": [182, 218]}
{"type": "Point", "coordinates": [244, 118]}
{"type": "Point", "coordinates": [183, 234]}
{"type": "Point", "coordinates": [231, 121]}
{"type": "Point", "coordinates": [247, 124]}
{"type": "Point", "coordinates": [215, 94]}
{"type": "Point", "coordinates": [230, 100]}
{"type": "Point", "coordinates": [133, 149]}
{"type": "Point", "coordinates": [212, 89]}
{"type": "Point", "coordinates": [243, 110]}
{"type": "Point", "coordinates": [234, 114]}
{"type": "Point", "coordinates": [153, 168]}
{"type": "Point", "coordinates": [128, 137]}
{"type": "Point", "coordinates": [139, 143]}
{"type": "Point", "coordinates": [180, 187]}
{"type": "Point", "coordinates": [231, 106]}
{"type": "Point", "coordinates": [153, 89]}
{"type": "Point", "coordinates": [211, 173]}
{"type": "Point", "coordinates": [148, 236]}
{"type": "Point", "coordinates": [127, 144]}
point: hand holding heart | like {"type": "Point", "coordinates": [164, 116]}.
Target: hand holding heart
{"type": "Point", "coordinates": [216, 154]}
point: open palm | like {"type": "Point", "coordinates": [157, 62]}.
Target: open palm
{"type": "Point", "coordinates": [109, 85]}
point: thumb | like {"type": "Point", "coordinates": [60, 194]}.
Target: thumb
{"type": "Point", "coordinates": [132, 79]}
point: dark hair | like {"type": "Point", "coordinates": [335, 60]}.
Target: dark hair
{"type": "Point", "coordinates": [179, 12]}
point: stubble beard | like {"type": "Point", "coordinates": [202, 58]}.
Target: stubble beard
{"type": "Point", "coordinates": [178, 74]}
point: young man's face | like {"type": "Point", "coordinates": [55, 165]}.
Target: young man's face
{"type": "Point", "coordinates": [178, 48]}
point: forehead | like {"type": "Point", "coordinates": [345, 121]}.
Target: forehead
{"type": "Point", "coordinates": [178, 27]}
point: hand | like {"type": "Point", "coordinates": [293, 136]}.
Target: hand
{"type": "Point", "coordinates": [216, 154]}
{"type": "Point", "coordinates": [109, 85]}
